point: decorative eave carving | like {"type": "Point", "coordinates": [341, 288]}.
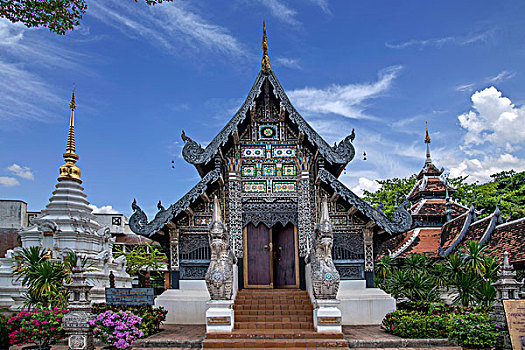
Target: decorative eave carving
{"type": "Point", "coordinates": [401, 221]}
{"type": "Point", "coordinates": [138, 222]}
{"type": "Point", "coordinates": [341, 153]}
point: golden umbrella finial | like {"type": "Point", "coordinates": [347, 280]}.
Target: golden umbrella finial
{"type": "Point", "coordinates": [265, 62]}
{"type": "Point", "coordinates": [70, 171]}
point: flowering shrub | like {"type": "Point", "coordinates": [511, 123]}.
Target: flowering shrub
{"type": "Point", "coordinates": [40, 326]}
{"type": "Point", "coordinates": [474, 331]}
{"type": "Point", "coordinates": [415, 324]}
{"type": "Point", "coordinates": [119, 329]}
{"type": "Point", "coordinates": [152, 317]}
{"type": "Point", "coordinates": [4, 337]}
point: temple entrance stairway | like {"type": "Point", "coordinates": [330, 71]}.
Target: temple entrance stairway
{"type": "Point", "coordinates": [273, 318]}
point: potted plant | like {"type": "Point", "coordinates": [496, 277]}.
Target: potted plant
{"type": "Point", "coordinates": [474, 331]}
{"type": "Point", "coordinates": [41, 327]}
{"type": "Point", "coordinates": [117, 329]}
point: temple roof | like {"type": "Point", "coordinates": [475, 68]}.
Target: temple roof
{"type": "Point", "coordinates": [509, 237]}
{"type": "Point", "coordinates": [138, 222]}
{"type": "Point", "coordinates": [337, 156]}
{"type": "Point", "coordinates": [436, 207]}
{"type": "Point", "coordinates": [402, 220]}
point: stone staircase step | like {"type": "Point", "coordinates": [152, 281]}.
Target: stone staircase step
{"type": "Point", "coordinates": [273, 318]}
{"type": "Point", "coordinates": [274, 334]}
{"type": "Point", "coordinates": [274, 343]}
{"type": "Point", "coordinates": [273, 325]}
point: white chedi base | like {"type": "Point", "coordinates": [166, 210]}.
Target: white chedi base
{"type": "Point", "coordinates": [186, 305]}
{"type": "Point", "coordinates": [363, 306]}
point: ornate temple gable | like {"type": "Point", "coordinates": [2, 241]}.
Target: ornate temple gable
{"type": "Point", "coordinates": [138, 222]}
{"type": "Point", "coordinates": [401, 222]}
{"type": "Point", "coordinates": [238, 127]}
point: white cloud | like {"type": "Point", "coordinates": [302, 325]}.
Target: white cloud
{"type": "Point", "coordinates": [105, 209]}
{"type": "Point", "coordinates": [10, 33]}
{"type": "Point", "coordinates": [288, 62]}
{"type": "Point", "coordinates": [505, 75]}
{"type": "Point", "coordinates": [281, 11]}
{"type": "Point", "coordinates": [365, 184]}
{"type": "Point", "coordinates": [465, 87]}
{"type": "Point", "coordinates": [21, 171]}
{"type": "Point", "coordinates": [8, 181]}
{"type": "Point", "coordinates": [323, 4]}
{"type": "Point", "coordinates": [346, 100]}
{"type": "Point", "coordinates": [171, 26]}
{"type": "Point", "coordinates": [480, 169]}
{"type": "Point", "coordinates": [23, 94]}
{"type": "Point", "coordinates": [440, 42]}
{"type": "Point", "coordinates": [493, 118]}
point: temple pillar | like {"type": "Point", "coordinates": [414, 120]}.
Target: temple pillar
{"type": "Point", "coordinates": [304, 215]}
{"type": "Point", "coordinates": [174, 256]}
{"type": "Point", "coordinates": [368, 240]}
{"type": "Point", "coordinates": [235, 208]}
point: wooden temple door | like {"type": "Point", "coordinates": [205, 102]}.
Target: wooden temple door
{"type": "Point", "coordinates": [257, 255]}
{"type": "Point", "coordinates": [285, 257]}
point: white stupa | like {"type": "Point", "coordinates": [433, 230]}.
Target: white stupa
{"type": "Point", "coordinates": [68, 224]}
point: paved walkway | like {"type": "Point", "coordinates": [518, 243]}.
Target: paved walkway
{"type": "Point", "coordinates": [359, 337]}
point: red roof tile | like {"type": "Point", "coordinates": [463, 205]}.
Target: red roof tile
{"type": "Point", "coordinates": [426, 242]}
{"type": "Point", "coordinates": [452, 229]}
{"type": "Point", "coordinates": [509, 237]}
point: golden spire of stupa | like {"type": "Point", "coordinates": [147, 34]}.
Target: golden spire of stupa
{"type": "Point", "coordinates": [265, 62]}
{"type": "Point", "coordinates": [70, 171]}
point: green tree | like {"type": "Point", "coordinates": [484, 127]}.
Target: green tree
{"type": "Point", "coordinates": [143, 257]}
{"type": "Point", "coordinates": [59, 16]}
{"type": "Point", "coordinates": [390, 191]}
{"type": "Point", "coordinates": [506, 187]}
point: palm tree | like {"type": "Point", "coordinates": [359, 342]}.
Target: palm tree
{"type": "Point", "coordinates": [439, 275]}
{"type": "Point", "coordinates": [466, 285]}
{"type": "Point", "coordinates": [453, 266]}
{"type": "Point", "coordinates": [384, 267]}
{"type": "Point", "coordinates": [419, 286]}
{"type": "Point", "coordinates": [417, 263]}
{"type": "Point", "coordinates": [473, 258]}
{"type": "Point", "coordinates": [44, 278]}
{"type": "Point", "coordinates": [491, 268]}
{"type": "Point", "coordinates": [485, 294]}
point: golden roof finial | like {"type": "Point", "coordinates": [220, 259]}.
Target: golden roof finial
{"type": "Point", "coordinates": [70, 171]}
{"type": "Point", "coordinates": [265, 62]}
{"type": "Point", "coordinates": [427, 136]}
{"type": "Point", "coordinates": [427, 141]}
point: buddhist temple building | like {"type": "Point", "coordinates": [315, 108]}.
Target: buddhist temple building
{"type": "Point", "coordinates": [270, 171]}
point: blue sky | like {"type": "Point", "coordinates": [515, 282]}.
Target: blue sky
{"type": "Point", "coordinates": [143, 74]}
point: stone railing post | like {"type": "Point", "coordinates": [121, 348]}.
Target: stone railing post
{"type": "Point", "coordinates": [325, 277]}
{"type": "Point", "coordinates": [220, 276]}
{"type": "Point", "coordinates": [75, 322]}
